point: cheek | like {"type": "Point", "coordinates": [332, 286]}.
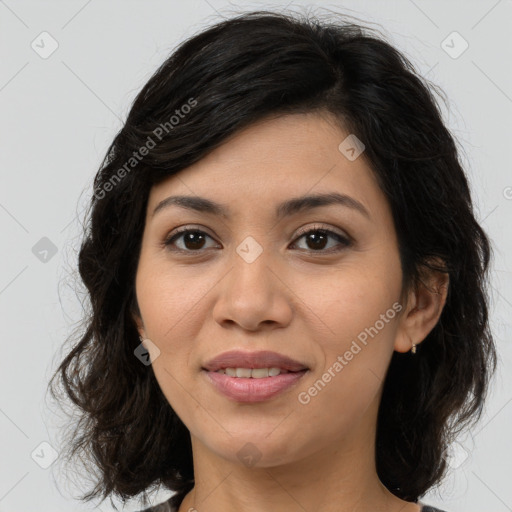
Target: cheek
{"type": "Point", "coordinates": [347, 385]}
{"type": "Point", "coordinates": [357, 302]}
{"type": "Point", "coordinates": [169, 301]}
{"type": "Point", "coordinates": [337, 408]}
{"type": "Point", "coordinates": [359, 312]}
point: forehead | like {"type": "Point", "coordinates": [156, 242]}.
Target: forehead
{"type": "Point", "coordinates": [275, 159]}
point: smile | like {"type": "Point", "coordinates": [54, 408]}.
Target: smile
{"type": "Point", "coordinates": [252, 385]}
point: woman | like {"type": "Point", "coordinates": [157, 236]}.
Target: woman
{"type": "Point", "coordinates": [287, 280]}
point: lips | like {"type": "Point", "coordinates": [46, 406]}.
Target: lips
{"type": "Point", "coordinates": [261, 359]}
{"type": "Point", "coordinates": [253, 390]}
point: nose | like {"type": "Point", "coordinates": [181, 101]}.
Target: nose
{"type": "Point", "coordinates": [253, 295]}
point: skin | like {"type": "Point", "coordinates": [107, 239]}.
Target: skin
{"type": "Point", "coordinates": [297, 298]}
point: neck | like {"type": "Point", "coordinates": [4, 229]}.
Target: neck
{"type": "Point", "coordinates": [341, 477]}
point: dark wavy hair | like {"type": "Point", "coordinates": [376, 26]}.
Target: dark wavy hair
{"type": "Point", "coordinates": [238, 71]}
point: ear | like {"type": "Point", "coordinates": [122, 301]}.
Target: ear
{"type": "Point", "coordinates": [136, 316]}
{"type": "Point", "coordinates": [424, 307]}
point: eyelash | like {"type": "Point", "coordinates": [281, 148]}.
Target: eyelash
{"type": "Point", "coordinates": [344, 241]}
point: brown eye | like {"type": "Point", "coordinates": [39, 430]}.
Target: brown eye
{"type": "Point", "coordinates": [317, 239]}
{"type": "Point", "coordinates": [192, 240]}
{"type": "Point", "coordinates": [188, 240]}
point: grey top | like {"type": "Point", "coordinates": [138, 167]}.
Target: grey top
{"type": "Point", "coordinates": [166, 507]}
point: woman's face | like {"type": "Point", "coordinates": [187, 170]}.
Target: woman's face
{"type": "Point", "coordinates": [251, 279]}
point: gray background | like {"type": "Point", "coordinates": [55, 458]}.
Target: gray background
{"type": "Point", "coordinates": [59, 114]}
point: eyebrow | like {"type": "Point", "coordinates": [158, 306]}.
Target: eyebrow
{"type": "Point", "coordinates": [284, 209]}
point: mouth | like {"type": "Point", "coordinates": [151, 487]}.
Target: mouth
{"type": "Point", "coordinates": [252, 373]}
{"type": "Point", "coordinates": [260, 360]}
{"type": "Point", "coordinates": [253, 376]}
{"type": "Point", "coordinates": [252, 389]}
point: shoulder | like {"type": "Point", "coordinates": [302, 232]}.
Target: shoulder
{"type": "Point", "coordinates": [166, 507]}
{"type": "Point", "coordinates": [162, 507]}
